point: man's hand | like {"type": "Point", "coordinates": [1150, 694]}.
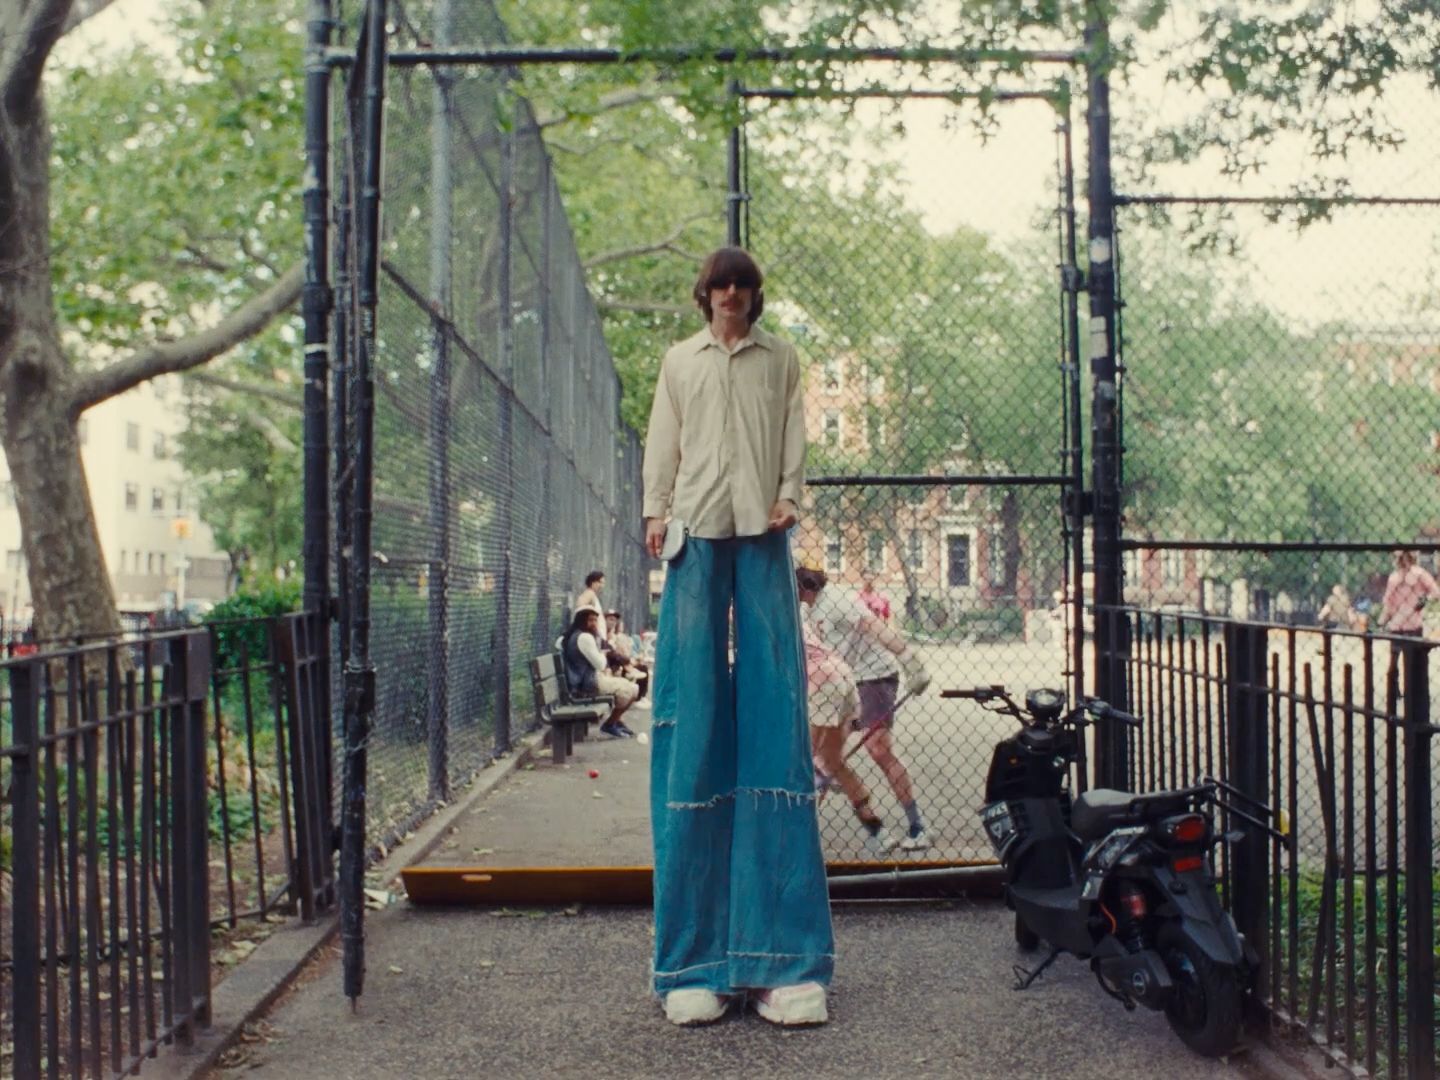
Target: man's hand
{"type": "Point", "coordinates": [654, 536]}
{"type": "Point", "coordinates": [783, 515]}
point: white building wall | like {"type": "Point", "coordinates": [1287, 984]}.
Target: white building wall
{"type": "Point", "coordinates": [140, 494]}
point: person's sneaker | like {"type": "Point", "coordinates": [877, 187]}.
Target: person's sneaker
{"type": "Point", "coordinates": [616, 730]}
{"type": "Point", "coordinates": [694, 1005]}
{"type": "Point", "coordinates": [624, 729]}
{"type": "Point", "coordinates": [916, 841]}
{"type": "Point", "coordinates": [880, 842]}
{"type": "Point", "coordinates": [791, 1006]}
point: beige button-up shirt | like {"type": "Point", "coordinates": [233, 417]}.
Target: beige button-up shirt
{"type": "Point", "coordinates": [727, 434]}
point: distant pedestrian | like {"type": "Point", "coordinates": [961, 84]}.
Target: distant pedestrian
{"type": "Point", "coordinates": [873, 599]}
{"type": "Point", "coordinates": [1402, 610]}
{"type": "Point", "coordinates": [590, 595]}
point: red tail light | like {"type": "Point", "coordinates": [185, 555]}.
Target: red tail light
{"type": "Point", "coordinates": [1187, 862]}
{"type": "Point", "coordinates": [1189, 829]}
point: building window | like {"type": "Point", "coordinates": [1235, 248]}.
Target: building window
{"type": "Point", "coordinates": [875, 554]}
{"type": "Point", "coordinates": [132, 436]}
{"type": "Point", "coordinates": [123, 560]}
{"type": "Point", "coordinates": [834, 376]}
{"type": "Point", "coordinates": [159, 445]}
{"type": "Point", "coordinates": [997, 557]}
{"type": "Point", "coordinates": [157, 498]}
{"type": "Point", "coordinates": [1130, 566]}
{"type": "Point", "coordinates": [1172, 567]}
{"type": "Point", "coordinates": [915, 551]}
{"type": "Point", "coordinates": [875, 430]}
{"type": "Point", "coordinates": [832, 427]}
{"type": "Point", "coordinates": [161, 561]}
{"type": "Point", "coordinates": [957, 572]}
{"type": "Point", "coordinates": [150, 562]}
{"type": "Point", "coordinates": [834, 554]}
{"type": "Point", "coordinates": [179, 500]}
{"type": "Point", "coordinates": [132, 496]}
{"type": "Point", "coordinates": [14, 559]}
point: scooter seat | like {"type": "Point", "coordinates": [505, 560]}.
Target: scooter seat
{"type": "Point", "coordinates": [1100, 810]}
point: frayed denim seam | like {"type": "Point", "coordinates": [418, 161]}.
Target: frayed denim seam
{"type": "Point", "coordinates": [792, 797]}
{"type": "Point", "coordinates": [686, 970]}
{"type": "Point", "coordinates": [656, 721]}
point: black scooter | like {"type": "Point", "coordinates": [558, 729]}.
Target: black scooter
{"type": "Point", "coordinates": [1122, 880]}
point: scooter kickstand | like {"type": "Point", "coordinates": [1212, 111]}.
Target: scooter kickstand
{"type": "Point", "coordinates": [1024, 978]}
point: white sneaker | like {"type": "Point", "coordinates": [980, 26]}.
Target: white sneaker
{"type": "Point", "coordinates": [694, 1005]}
{"type": "Point", "coordinates": [880, 842]}
{"type": "Point", "coordinates": [792, 1006]}
{"type": "Point", "coordinates": [918, 842]}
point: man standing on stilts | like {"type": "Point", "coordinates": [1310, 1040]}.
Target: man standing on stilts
{"type": "Point", "coordinates": [741, 907]}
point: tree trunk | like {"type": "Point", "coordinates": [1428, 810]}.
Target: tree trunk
{"type": "Point", "coordinates": [1011, 541]}
{"type": "Point", "coordinates": [70, 588]}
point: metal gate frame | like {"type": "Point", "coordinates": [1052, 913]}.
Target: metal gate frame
{"type": "Point", "coordinates": [340, 333]}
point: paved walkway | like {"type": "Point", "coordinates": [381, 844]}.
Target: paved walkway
{"type": "Point", "coordinates": [920, 991]}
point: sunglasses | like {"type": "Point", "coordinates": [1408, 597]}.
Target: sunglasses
{"type": "Point", "coordinates": [740, 282]}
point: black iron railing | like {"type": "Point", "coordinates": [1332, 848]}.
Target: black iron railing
{"type": "Point", "coordinates": [1332, 729]}
{"type": "Point", "coordinates": [158, 789]}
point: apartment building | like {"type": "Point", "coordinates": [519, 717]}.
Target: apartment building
{"type": "Point", "coordinates": [158, 551]}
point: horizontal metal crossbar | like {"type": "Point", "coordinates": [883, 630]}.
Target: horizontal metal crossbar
{"type": "Point", "coordinates": [779, 93]}
{"type": "Point", "coordinates": [1277, 200]}
{"type": "Point", "coordinates": [1127, 544]}
{"type": "Point", "coordinates": [679, 54]}
{"type": "Point", "coordinates": [938, 481]}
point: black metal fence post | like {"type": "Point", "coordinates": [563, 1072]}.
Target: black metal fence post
{"type": "Point", "coordinates": [1419, 867]}
{"type": "Point", "coordinates": [359, 668]}
{"type": "Point", "coordinates": [317, 303]}
{"type": "Point", "coordinates": [1110, 685]}
{"type": "Point", "coordinates": [735, 194]}
{"type": "Point", "coordinates": [505, 586]}
{"type": "Point", "coordinates": [25, 862]}
{"type": "Point", "coordinates": [441, 207]}
{"type": "Point", "coordinates": [188, 689]}
{"type": "Point", "coordinates": [1247, 758]}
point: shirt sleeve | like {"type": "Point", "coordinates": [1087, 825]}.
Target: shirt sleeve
{"type": "Point", "coordinates": [591, 652]}
{"type": "Point", "coordinates": [1427, 584]}
{"type": "Point", "coordinates": [792, 444]}
{"type": "Point", "coordinates": [662, 448]}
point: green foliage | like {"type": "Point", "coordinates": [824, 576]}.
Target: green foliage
{"type": "Point", "coordinates": [242, 622]}
{"type": "Point", "coordinates": [175, 196]}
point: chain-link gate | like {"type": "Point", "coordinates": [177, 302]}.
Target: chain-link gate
{"type": "Point", "coordinates": [481, 467]}
{"type": "Point", "coordinates": [944, 426]}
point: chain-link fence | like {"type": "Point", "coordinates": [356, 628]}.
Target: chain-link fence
{"type": "Point", "coordinates": [502, 472]}
{"type": "Point", "coordinates": [930, 307]}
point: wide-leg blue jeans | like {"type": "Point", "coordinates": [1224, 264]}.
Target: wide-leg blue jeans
{"type": "Point", "coordinates": [740, 893]}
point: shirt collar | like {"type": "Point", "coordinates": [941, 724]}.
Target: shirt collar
{"type": "Point", "coordinates": [708, 340]}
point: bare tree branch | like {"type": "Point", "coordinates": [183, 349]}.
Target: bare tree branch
{"type": "Point", "coordinates": [31, 33]}
{"type": "Point", "coordinates": [278, 440]}
{"type": "Point", "coordinates": [198, 257]}
{"type": "Point", "coordinates": [618, 99]}
{"type": "Point", "coordinates": [644, 306]}
{"type": "Point", "coordinates": [249, 319]}
{"type": "Point", "coordinates": [667, 244]}
{"type": "Point", "coordinates": [83, 9]}
{"type": "Point", "coordinates": [238, 386]}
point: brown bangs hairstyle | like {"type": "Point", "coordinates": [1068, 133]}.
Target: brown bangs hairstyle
{"type": "Point", "coordinates": [725, 267]}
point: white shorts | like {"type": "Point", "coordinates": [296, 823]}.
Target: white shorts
{"type": "Point", "coordinates": [624, 690]}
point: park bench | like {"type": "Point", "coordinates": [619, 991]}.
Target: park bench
{"type": "Point", "coordinates": [567, 717]}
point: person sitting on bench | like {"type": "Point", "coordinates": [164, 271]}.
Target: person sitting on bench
{"type": "Point", "coordinates": [623, 661]}
{"type": "Point", "coordinates": [587, 672]}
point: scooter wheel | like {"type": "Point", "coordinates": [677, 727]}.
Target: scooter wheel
{"type": "Point", "coordinates": [1025, 938]}
{"type": "Point", "coordinates": [1204, 1008]}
